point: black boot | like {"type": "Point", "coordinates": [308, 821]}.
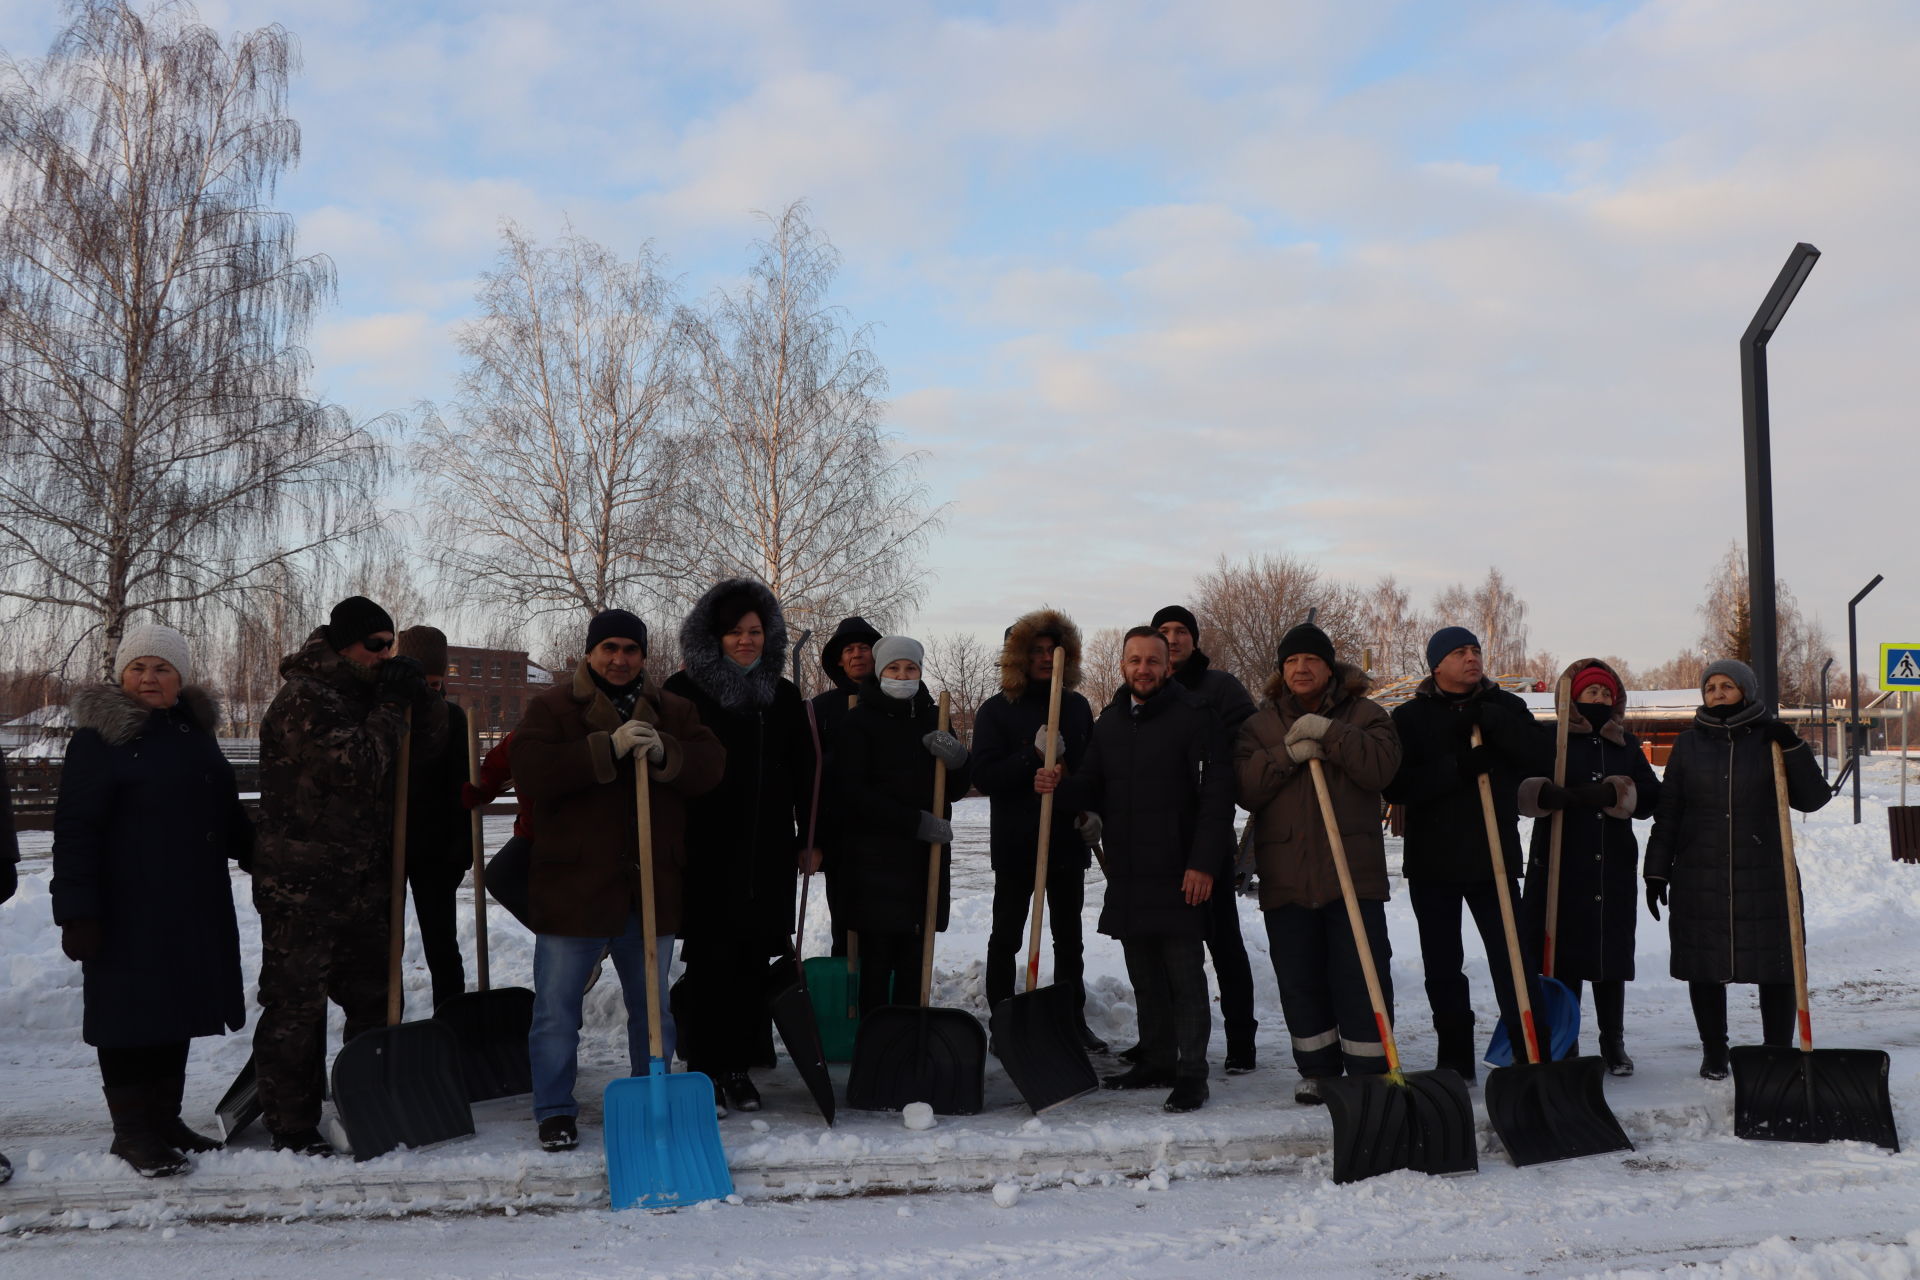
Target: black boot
{"type": "Point", "coordinates": [1240, 1055]}
{"type": "Point", "coordinates": [165, 1095]}
{"type": "Point", "coordinates": [133, 1137]}
{"type": "Point", "coordinates": [1713, 1060]}
{"type": "Point", "coordinates": [1455, 1034]}
{"type": "Point", "coordinates": [1613, 1049]}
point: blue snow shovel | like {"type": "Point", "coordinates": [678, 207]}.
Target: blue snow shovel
{"type": "Point", "coordinates": [663, 1138]}
{"type": "Point", "coordinates": [1560, 1008]}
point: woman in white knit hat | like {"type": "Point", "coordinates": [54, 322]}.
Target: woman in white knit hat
{"type": "Point", "coordinates": [148, 817]}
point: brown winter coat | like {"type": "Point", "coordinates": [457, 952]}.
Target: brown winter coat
{"type": "Point", "coordinates": [585, 879]}
{"type": "Point", "coordinates": [1291, 848]}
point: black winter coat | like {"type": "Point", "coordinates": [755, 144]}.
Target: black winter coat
{"type": "Point", "coordinates": [1599, 856]}
{"type": "Point", "coordinates": [1162, 783]}
{"type": "Point", "coordinates": [439, 834]}
{"type": "Point", "coordinates": [1716, 840]}
{"type": "Point", "coordinates": [1218, 691]}
{"type": "Point", "coordinates": [9, 843]}
{"type": "Point", "coordinates": [1446, 832]}
{"type": "Point", "coordinates": [1003, 766]}
{"type": "Point", "coordinates": [882, 781]}
{"type": "Point", "coordinates": [148, 818]}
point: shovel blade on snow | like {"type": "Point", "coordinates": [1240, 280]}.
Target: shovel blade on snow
{"type": "Point", "coordinates": [1553, 1111]}
{"type": "Point", "coordinates": [663, 1141]}
{"type": "Point", "coordinates": [792, 1009]}
{"type": "Point", "coordinates": [401, 1086]}
{"type": "Point", "coordinates": [1784, 1094]}
{"type": "Point", "coordinates": [1422, 1121]}
{"type": "Point", "coordinates": [906, 1053]}
{"type": "Point", "coordinates": [491, 1029]}
{"type": "Point", "coordinates": [1037, 1037]}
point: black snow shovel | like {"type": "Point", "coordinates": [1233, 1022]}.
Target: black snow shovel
{"type": "Point", "coordinates": [400, 1085]}
{"type": "Point", "coordinates": [1543, 1110]}
{"type": "Point", "coordinates": [1418, 1120]}
{"type": "Point", "coordinates": [491, 1024]}
{"type": "Point", "coordinates": [914, 1053]}
{"type": "Point", "coordinates": [239, 1106]}
{"type": "Point", "coordinates": [791, 1005]}
{"type": "Point", "coordinates": [1804, 1094]}
{"type": "Point", "coordinates": [1037, 1033]}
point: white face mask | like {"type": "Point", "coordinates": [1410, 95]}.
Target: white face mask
{"type": "Point", "coordinates": [901, 689]}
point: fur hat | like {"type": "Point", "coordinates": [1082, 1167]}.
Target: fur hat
{"type": "Point", "coordinates": [890, 649]}
{"type": "Point", "coordinates": [151, 640]}
{"type": "Point", "coordinates": [425, 645]}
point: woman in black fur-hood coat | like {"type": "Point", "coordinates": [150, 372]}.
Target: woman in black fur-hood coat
{"type": "Point", "coordinates": [743, 837]}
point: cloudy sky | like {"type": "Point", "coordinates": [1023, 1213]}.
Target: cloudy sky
{"type": "Point", "coordinates": [1414, 288]}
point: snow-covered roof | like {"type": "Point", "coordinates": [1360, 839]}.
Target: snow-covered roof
{"type": "Point", "coordinates": [538, 675]}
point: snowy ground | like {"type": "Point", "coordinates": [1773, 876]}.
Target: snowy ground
{"type": "Point", "coordinates": [1108, 1183]}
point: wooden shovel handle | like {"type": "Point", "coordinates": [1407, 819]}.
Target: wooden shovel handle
{"type": "Point", "coordinates": [1563, 710]}
{"type": "Point", "coordinates": [1360, 941]}
{"type": "Point", "coordinates": [933, 869]}
{"type": "Point", "coordinates": [1046, 823]}
{"type": "Point", "coordinates": [1796, 929]}
{"type": "Point", "coordinates": [1499, 857]}
{"type": "Point", "coordinates": [477, 835]}
{"type": "Point", "coordinates": [643, 816]}
{"type": "Point", "coordinates": [397, 900]}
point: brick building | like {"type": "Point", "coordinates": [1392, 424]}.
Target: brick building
{"type": "Point", "coordinates": [494, 684]}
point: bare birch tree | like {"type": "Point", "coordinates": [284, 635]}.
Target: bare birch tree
{"type": "Point", "coordinates": [794, 482]}
{"type": "Point", "coordinates": [553, 482]}
{"type": "Point", "coordinates": [1727, 629]}
{"type": "Point", "coordinates": [1494, 613]}
{"type": "Point", "coordinates": [158, 450]}
{"type": "Point", "coordinates": [1245, 608]}
{"type": "Point", "coordinates": [961, 664]}
{"type": "Point", "coordinates": [1392, 631]}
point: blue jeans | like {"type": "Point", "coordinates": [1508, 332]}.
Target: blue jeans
{"type": "Point", "coordinates": [560, 969]}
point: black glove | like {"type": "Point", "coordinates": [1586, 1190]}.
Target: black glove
{"type": "Point", "coordinates": [1475, 761]}
{"type": "Point", "coordinates": [1656, 895]}
{"type": "Point", "coordinates": [1781, 733]}
{"type": "Point", "coordinates": [1552, 797]}
{"type": "Point", "coordinates": [81, 939]}
{"type": "Point", "coordinates": [402, 680]}
{"type": "Point", "coordinates": [1592, 795]}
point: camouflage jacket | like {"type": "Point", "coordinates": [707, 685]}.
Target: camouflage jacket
{"type": "Point", "coordinates": [328, 753]}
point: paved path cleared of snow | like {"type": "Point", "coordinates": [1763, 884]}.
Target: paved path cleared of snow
{"type": "Point", "coordinates": [1109, 1182]}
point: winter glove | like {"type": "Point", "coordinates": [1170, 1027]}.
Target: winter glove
{"type": "Point", "coordinates": [1304, 749]}
{"type": "Point", "coordinates": [81, 939]}
{"type": "Point", "coordinates": [1592, 795]}
{"type": "Point", "coordinates": [1475, 761]}
{"type": "Point", "coordinates": [1090, 828]}
{"type": "Point", "coordinates": [944, 746]}
{"type": "Point", "coordinates": [641, 736]}
{"type": "Point", "coordinates": [1656, 895]}
{"type": "Point", "coordinates": [402, 680]}
{"type": "Point", "coordinates": [1040, 743]}
{"type": "Point", "coordinates": [1781, 733]}
{"type": "Point", "coordinates": [933, 830]}
{"type": "Point", "coordinates": [1311, 727]}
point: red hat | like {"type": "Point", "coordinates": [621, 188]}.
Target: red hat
{"type": "Point", "coordinates": [1597, 675]}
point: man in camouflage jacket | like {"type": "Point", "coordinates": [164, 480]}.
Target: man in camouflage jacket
{"type": "Point", "coordinates": [329, 748]}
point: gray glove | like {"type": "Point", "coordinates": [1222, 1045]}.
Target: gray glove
{"type": "Point", "coordinates": [1310, 727]}
{"type": "Point", "coordinates": [933, 830]}
{"type": "Point", "coordinates": [944, 746]}
{"type": "Point", "coordinates": [1090, 828]}
{"type": "Point", "coordinates": [1040, 743]}
{"type": "Point", "coordinates": [641, 736]}
{"type": "Point", "coordinates": [1304, 750]}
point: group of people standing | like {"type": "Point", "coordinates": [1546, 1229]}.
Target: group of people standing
{"type": "Point", "coordinates": [752, 786]}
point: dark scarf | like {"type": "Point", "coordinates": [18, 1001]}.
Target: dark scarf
{"type": "Point", "coordinates": [622, 696]}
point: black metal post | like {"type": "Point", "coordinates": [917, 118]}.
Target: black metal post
{"type": "Point", "coordinates": [1761, 614]}
{"type": "Point", "coordinates": [1853, 691]}
{"type": "Point", "coordinates": [1824, 668]}
{"type": "Point", "coordinates": [798, 645]}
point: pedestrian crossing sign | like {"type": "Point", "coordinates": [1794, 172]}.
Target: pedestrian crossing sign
{"type": "Point", "coordinates": [1900, 666]}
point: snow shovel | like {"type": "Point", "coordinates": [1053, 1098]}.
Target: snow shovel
{"type": "Point", "coordinates": [1544, 1110]}
{"type": "Point", "coordinates": [1562, 1007]}
{"type": "Point", "coordinates": [834, 981]}
{"type": "Point", "coordinates": [914, 1053]}
{"type": "Point", "coordinates": [1036, 1033]}
{"type": "Point", "coordinates": [400, 1085]}
{"type": "Point", "coordinates": [240, 1105]}
{"type": "Point", "coordinates": [1784, 1094]}
{"type": "Point", "coordinates": [791, 1007]}
{"type": "Point", "coordinates": [662, 1136]}
{"type": "Point", "coordinates": [1418, 1120]}
{"type": "Point", "coordinates": [490, 1025]}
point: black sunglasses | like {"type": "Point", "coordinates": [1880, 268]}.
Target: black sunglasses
{"type": "Point", "coordinates": [375, 644]}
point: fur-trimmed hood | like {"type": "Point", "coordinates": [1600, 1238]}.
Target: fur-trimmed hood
{"type": "Point", "coordinates": [1020, 637]}
{"type": "Point", "coordinates": [1615, 730]}
{"type": "Point", "coordinates": [1349, 681]}
{"type": "Point", "coordinates": [119, 717]}
{"type": "Point", "coordinates": [721, 677]}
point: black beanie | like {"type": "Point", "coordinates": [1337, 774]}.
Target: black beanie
{"type": "Point", "coordinates": [616, 622]}
{"type": "Point", "coordinates": [355, 618]}
{"type": "Point", "coordinates": [1305, 638]}
{"type": "Point", "coordinates": [1180, 614]}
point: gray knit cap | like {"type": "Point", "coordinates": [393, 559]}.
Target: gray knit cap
{"type": "Point", "coordinates": [1738, 672]}
{"type": "Point", "coordinates": [151, 640]}
{"type": "Point", "coordinates": [890, 649]}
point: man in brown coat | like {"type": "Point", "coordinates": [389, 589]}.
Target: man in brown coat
{"type": "Point", "coordinates": [573, 759]}
{"type": "Point", "coordinates": [1315, 709]}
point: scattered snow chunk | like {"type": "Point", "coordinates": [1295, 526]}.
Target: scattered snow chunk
{"type": "Point", "coordinates": [36, 1160]}
{"type": "Point", "coordinates": [903, 1211]}
{"type": "Point", "coordinates": [734, 1198]}
{"type": "Point", "coordinates": [917, 1116]}
{"type": "Point", "coordinates": [1157, 1180]}
{"type": "Point", "coordinates": [1006, 1194]}
{"type": "Point", "coordinates": [759, 1126]}
{"type": "Point", "coordinates": [1034, 1126]}
{"type": "Point", "coordinates": [168, 1234]}
{"type": "Point", "coordinates": [512, 1212]}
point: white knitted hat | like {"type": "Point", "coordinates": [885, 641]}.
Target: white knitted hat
{"type": "Point", "coordinates": [151, 640]}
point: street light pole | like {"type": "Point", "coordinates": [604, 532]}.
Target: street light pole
{"type": "Point", "coordinates": [1853, 692]}
{"type": "Point", "coordinates": [1761, 619]}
